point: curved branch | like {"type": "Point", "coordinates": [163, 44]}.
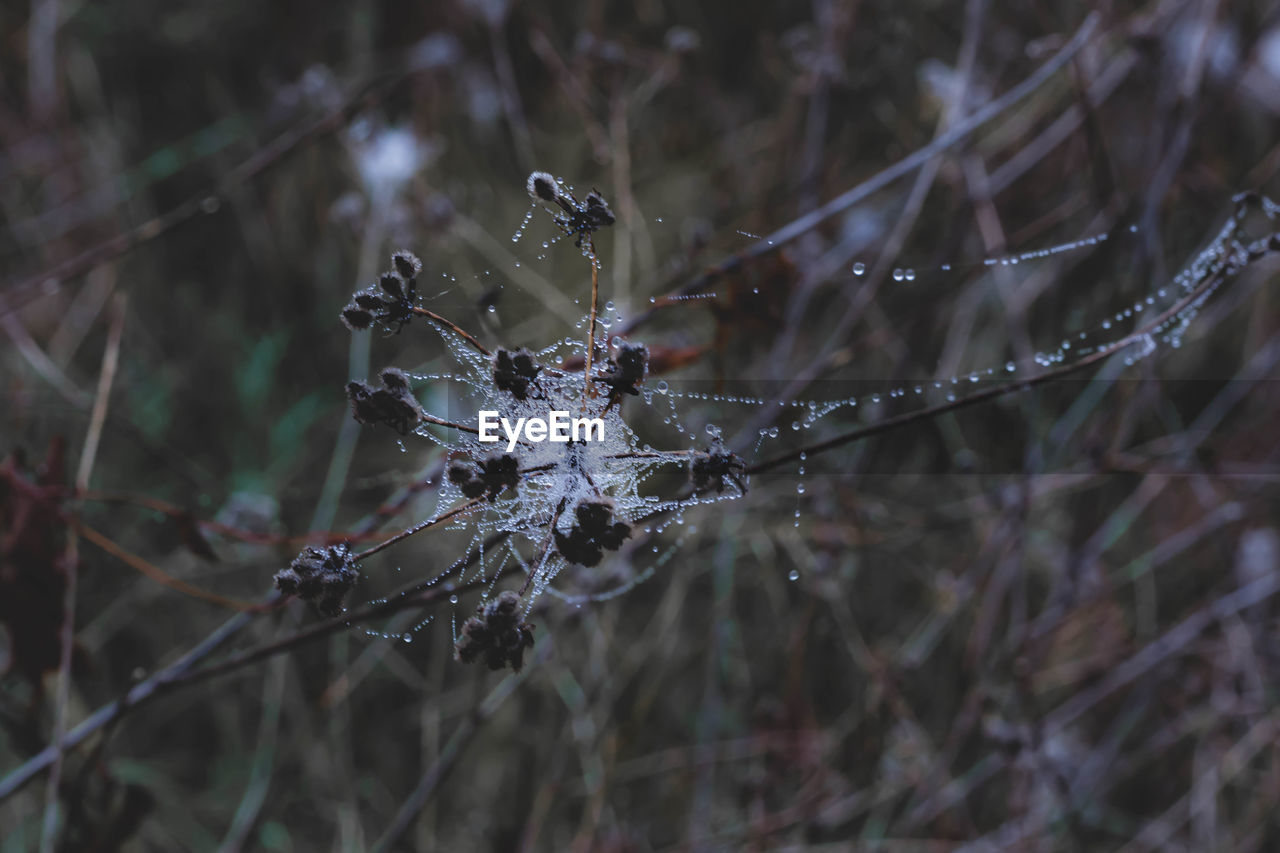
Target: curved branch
{"type": "Point", "coordinates": [1213, 279]}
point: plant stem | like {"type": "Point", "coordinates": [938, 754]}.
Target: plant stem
{"type": "Point", "coordinates": [591, 327]}
{"type": "Point", "coordinates": [453, 327]}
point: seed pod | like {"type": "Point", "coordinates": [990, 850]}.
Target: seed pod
{"type": "Point", "coordinates": [496, 634]}
{"type": "Point", "coordinates": [320, 576]}
{"type": "Point", "coordinates": [392, 284]}
{"type": "Point", "coordinates": [542, 187]}
{"type": "Point", "coordinates": [406, 264]}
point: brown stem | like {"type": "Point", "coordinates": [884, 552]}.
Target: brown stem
{"type": "Point", "coordinates": [655, 454]}
{"type": "Point", "coordinates": [405, 534]}
{"type": "Point", "coordinates": [159, 575]}
{"type": "Point", "coordinates": [180, 515]}
{"type": "Point", "coordinates": [453, 327]}
{"type": "Point", "coordinates": [591, 325]}
{"type": "Point", "coordinates": [432, 419]}
{"type": "Point", "coordinates": [542, 550]}
{"type": "Point", "coordinates": [1210, 281]}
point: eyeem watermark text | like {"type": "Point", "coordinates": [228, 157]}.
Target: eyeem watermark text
{"type": "Point", "coordinates": [559, 427]}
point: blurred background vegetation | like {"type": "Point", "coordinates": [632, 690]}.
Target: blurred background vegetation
{"type": "Point", "coordinates": [1039, 624]}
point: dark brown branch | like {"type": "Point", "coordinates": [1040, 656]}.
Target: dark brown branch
{"type": "Point", "coordinates": [1211, 281]}
{"type": "Point", "coordinates": [417, 528]}
{"type": "Point", "coordinates": [453, 327]}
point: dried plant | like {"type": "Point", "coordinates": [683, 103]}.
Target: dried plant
{"type": "Point", "coordinates": [546, 506]}
{"type": "Point", "coordinates": [1039, 623]}
{"type": "Point", "coordinates": [550, 505]}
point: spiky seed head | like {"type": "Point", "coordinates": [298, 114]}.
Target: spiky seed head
{"type": "Point", "coordinates": [356, 318]}
{"type": "Point", "coordinates": [392, 285]}
{"type": "Point", "coordinates": [542, 187]}
{"type": "Point", "coordinates": [394, 379]}
{"type": "Point", "coordinates": [368, 300]}
{"type": "Point", "coordinates": [406, 264]}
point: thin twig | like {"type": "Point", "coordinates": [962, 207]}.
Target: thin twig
{"type": "Point", "coordinates": [156, 574]}
{"type": "Point", "coordinates": [110, 361]}
{"type": "Point", "coordinates": [106, 376]}
{"type": "Point", "coordinates": [883, 178]}
{"type": "Point", "coordinates": [181, 515]}
{"type": "Point", "coordinates": [1210, 281]}
{"type": "Point", "coordinates": [432, 419]}
{"type": "Point", "coordinates": [111, 712]}
{"type": "Point", "coordinates": [538, 561]}
{"type": "Point", "coordinates": [446, 761]}
{"type": "Point", "coordinates": [41, 363]}
{"type": "Point", "coordinates": [405, 534]}
{"type": "Point", "coordinates": [181, 674]}
{"type": "Point", "coordinates": [591, 325]}
{"type": "Point", "coordinates": [453, 327]}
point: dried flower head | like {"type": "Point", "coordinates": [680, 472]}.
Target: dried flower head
{"type": "Point", "coordinates": [496, 634]}
{"type": "Point", "coordinates": [542, 187]}
{"type": "Point", "coordinates": [491, 475]}
{"type": "Point", "coordinates": [594, 533]}
{"type": "Point", "coordinates": [716, 469]}
{"type": "Point", "coordinates": [625, 372]}
{"type": "Point", "coordinates": [356, 318]}
{"type": "Point", "coordinates": [550, 503]}
{"type": "Point", "coordinates": [515, 372]}
{"type": "Point", "coordinates": [577, 219]}
{"type": "Point", "coordinates": [321, 577]}
{"type": "Point", "coordinates": [598, 213]}
{"type": "Point", "coordinates": [393, 404]}
{"type": "Point", "coordinates": [391, 301]}
{"type": "Point", "coordinates": [406, 264]}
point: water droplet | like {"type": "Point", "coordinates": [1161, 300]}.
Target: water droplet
{"type": "Point", "coordinates": [859, 268]}
{"type": "Point", "coordinates": [453, 599]}
{"type": "Point", "coordinates": [662, 386]}
{"type": "Point", "coordinates": [793, 575]}
{"type": "Point", "coordinates": [898, 275]}
{"type": "Point", "coordinates": [910, 275]}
